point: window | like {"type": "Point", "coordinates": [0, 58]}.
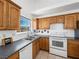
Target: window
{"type": "Point", "coordinates": [25, 24]}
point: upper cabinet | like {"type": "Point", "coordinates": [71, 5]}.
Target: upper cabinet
{"type": "Point", "coordinates": [43, 23]}
{"type": "Point", "coordinates": [35, 23]}
{"type": "Point", "coordinates": [53, 20]}
{"type": "Point", "coordinates": [60, 19]}
{"type": "Point", "coordinates": [14, 16]}
{"type": "Point", "coordinates": [3, 14]}
{"type": "Point", "coordinates": [70, 21]}
{"type": "Point", "coordinates": [9, 15]}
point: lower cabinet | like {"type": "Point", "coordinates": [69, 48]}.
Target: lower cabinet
{"type": "Point", "coordinates": [14, 56]}
{"type": "Point", "coordinates": [73, 48]}
{"type": "Point", "coordinates": [26, 53]}
{"type": "Point", "coordinates": [35, 48]}
{"type": "Point", "coordinates": [44, 43]}
{"type": "Point", "coordinates": [31, 51]}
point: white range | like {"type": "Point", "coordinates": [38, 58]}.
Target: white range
{"type": "Point", "coordinates": [58, 40]}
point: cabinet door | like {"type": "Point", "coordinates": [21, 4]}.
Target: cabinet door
{"type": "Point", "coordinates": [73, 48]}
{"type": "Point", "coordinates": [70, 21]}
{"type": "Point", "coordinates": [44, 43]}
{"type": "Point", "coordinates": [35, 23]}
{"type": "Point", "coordinates": [14, 56]}
{"type": "Point", "coordinates": [41, 43]}
{"type": "Point", "coordinates": [3, 15]}
{"type": "Point", "coordinates": [60, 19]}
{"type": "Point", "coordinates": [53, 20]}
{"type": "Point", "coordinates": [40, 24]}
{"type": "Point", "coordinates": [45, 23]}
{"type": "Point", "coordinates": [38, 48]}
{"type": "Point", "coordinates": [47, 44]}
{"type": "Point", "coordinates": [34, 49]}
{"type": "Point", "coordinates": [14, 16]}
{"type": "Point", "coordinates": [77, 16]}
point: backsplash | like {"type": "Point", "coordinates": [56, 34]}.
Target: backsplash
{"type": "Point", "coordinates": [16, 36]}
{"type": "Point", "coordinates": [8, 33]}
{"type": "Point", "coordinates": [43, 32]}
{"type": "Point", "coordinates": [64, 32]}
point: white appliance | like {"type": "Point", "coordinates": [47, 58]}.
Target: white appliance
{"type": "Point", "coordinates": [58, 46]}
{"type": "Point", "coordinates": [26, 53]}
{"type": "Point", "coordinates": [58, 42]}
{"type": "Point", "coordinates": [57, 26]}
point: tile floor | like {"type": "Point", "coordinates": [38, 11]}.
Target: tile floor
{"type": "Point", "coordinates": [46, 55]}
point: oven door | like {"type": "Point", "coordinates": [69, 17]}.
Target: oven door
{"type": "Point", "coordinates": [58, 43]}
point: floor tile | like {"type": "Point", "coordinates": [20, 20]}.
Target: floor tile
{"type": "Point", "coordinates": [46, 55]}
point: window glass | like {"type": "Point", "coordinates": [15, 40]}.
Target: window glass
{"type": "Point", "coordinates": [25, 24]}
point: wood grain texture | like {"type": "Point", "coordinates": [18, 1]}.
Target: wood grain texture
{"type": "Point", "coordinates": [9, 15]}
{"type": "Point", "coordinates": [44, 43]}
{"type": "Point", "coordinates": [60, 19]}
{"type": "Point", "coordinates": [14, 14]}
{"type": "Point", "coordinates": [3, 14]}
{"type": "Point", "coordinates": [70, 21]}
{"type": "Point", "coordinates": [73, 48]}
{"type": "Point", "coordinates": [14, 56]}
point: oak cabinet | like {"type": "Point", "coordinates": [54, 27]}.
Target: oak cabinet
{"type": "Point", "coordinates": [14, 16]}
{"type": "Point", "coordinates": [9, 15]}
{"type": "Point", "coordinates": [43, 23]}
{"type": "Point", "coordinates": [44, 43]}
{"type": "Point", "coordinates": [77, 16]}
{"type": "Point", "coordinates": [70, 21]}
{"type": "Point", "coordinates": [14, 56]}
{"type": "Point", "coordinates": [34, 51]}
{"type": "Point", "coordinates": [60, 19]}
{"type": "Point", "coordinates": [35, 48]}
{"type": "Point", "coordinates": [73, 48]}
{"type": "Point", "coordinates": [40, 43]}
{"type": "Point", "coordinates": [3, 6]}
{"type": "Point", "coordinates": [53, 20]}
{"type": "Point", "coordinates": [40, 24]}
{"type": "Point", "coordinates": [47, 44]}
{"type": "Point", "coordinates": [35, 23]}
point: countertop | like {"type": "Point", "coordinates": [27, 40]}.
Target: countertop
{"type": "Point", "coordinates": [12, 48]}
{"type": "Point", "coordinates": [18, 45]}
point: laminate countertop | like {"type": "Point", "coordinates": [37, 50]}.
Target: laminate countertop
{"type": "Point", "coordinates": [18, 45]}
{"type": "Point", "coordinates": [10, 49]}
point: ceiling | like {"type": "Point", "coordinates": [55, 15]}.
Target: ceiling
{"type": "Point", "coordinates": [30, 7]}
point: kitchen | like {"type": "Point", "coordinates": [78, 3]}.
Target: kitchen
{"type": "Point", "coordinates": [51, 33]}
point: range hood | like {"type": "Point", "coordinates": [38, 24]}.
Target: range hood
{"type": "Point", "coordinates": [58, 30]}
{"type": "Point", "coordinates": [57, 27]}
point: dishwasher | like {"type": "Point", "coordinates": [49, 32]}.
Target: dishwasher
{"type": "Point", "coordinates": [26, 52]}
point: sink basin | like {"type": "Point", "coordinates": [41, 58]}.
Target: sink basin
{"type": "Point", "coordinates": [30, 38]}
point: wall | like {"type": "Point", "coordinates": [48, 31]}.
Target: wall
{"type": "Point", "coordinates": [16, 36]}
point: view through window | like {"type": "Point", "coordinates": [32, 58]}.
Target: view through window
{"type": "Point", "coordinates": [25, 24]}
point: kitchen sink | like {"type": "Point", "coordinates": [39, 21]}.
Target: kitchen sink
{"type": "Point", "coordinates": [30, 38]}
